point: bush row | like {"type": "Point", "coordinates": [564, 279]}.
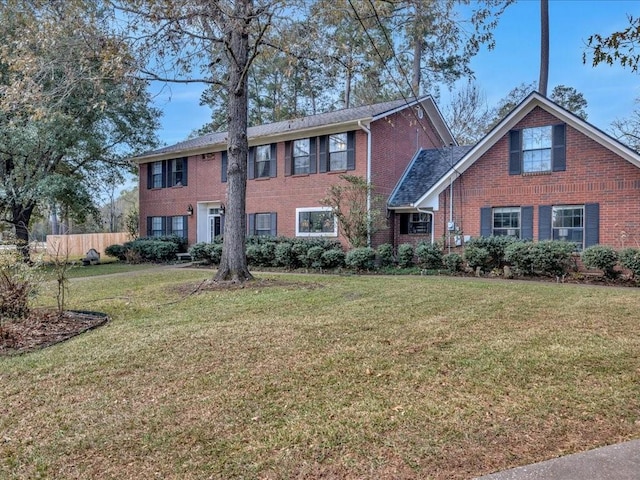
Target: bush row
{"type": "Point", "coordinates": [148, 249]}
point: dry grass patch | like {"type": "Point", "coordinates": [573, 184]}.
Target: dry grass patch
{"type": "Point", "coordinates": [366, 377]}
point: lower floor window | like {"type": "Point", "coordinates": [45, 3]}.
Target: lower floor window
{"type": "Point", "coordinates": [157, 227]}
{"type": "Point", "coordinates": [415, 223]}
{"type": "Point", "coordinates": [178, 226]}
{"type": "Point", "coordinates": [506, 222]}
{"type": "Point", "coordinates": [319, 222]}
{"type": "Point", "coordinates": [263, 224]}
{"type": "Point", "coordinates": [568, 224]}
{"type": "Point", "coordinates": [173, 225]}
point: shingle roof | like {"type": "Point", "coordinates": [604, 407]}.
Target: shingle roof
{"type": "Point", "coordinates": [426, 168]}
{"type": "Point", "coordinates": [322, 119]}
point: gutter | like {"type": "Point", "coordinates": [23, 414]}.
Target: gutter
{"type": "Point", "coordinates": [368, 132]}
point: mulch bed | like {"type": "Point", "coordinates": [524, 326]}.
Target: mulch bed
{"type": "Point", "coordinates": [45, 327]}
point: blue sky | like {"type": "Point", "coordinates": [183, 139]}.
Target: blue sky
{"type": "Point", "coordinates": [609, 91]}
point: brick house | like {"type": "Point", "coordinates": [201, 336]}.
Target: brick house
{"type": "Point", "coordinates": [541, 173]}
{"type": "Point", "coordinates": [291, 164]}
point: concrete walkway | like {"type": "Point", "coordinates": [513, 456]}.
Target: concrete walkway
{"type": "Point", "coordinates": [615, 462]}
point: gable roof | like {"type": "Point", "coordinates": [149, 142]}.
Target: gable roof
{"type": "Point", "coordinates": [424, 170]}
{"type": "Point", "coordinates": [532, 101]}
{"type": "Point", "coordinates": [321, 124]}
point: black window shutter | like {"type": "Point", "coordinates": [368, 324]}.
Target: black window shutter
{"type": "Point", "coordinates": [149, 179]}
{"type": "Point", "coordinates": [312, 155]}
{"type": "Point", "coordinates": [288, 158]}
{"type": "Point", "coordinates": [323, 154]}
{"type": "Point", "coordinates": [224, 164]}
{"type": "Point", "coordinates": [273, 164]}
{"type": "Point", "coordinates": [165, 173]}
{"type": "Point", "coordinates": [486, 221]}
{"type": "Point", "coordinates": [274, 224]}
{"type": "Point", "coordinates": [251, 164]}
{"type": "Point", "coordinates": [591, 224]}
{"type": "Point", "coordinates": [351, 151]}
{"type": "Point", "coordinates": [171, 165]}
{"type": "Point", "coordinates": [149, 223]}
{"type": "Point", "coordinates": [515, 152]}
{"type": "Point", "coordinates": [559, 155]}
{"type": "Point", "coordinates": [185, 171]}
{"type": "Point", "coordinates": [221, 225]}
{"type": "Point", "coordinates": [526, 223]}
{"type": "Point", "coordinates": [544, 222]}
{"type": "Point", "coordinates": [185, 225]}
{"type": "Point", "coordinates": [404, 223]}
{"type": "Point", "coordinates": [252, 223]}
{"type": "Point", "coordinates": [168, 226]}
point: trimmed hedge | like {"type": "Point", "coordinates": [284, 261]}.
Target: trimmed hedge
{"type": "Point", "coordinates": [630, 259]}
{"type": "Point", "coordinates": [601, 257]}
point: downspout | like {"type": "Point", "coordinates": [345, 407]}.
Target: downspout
{"type": "Point", "coordinates": [429, 212]}
{"type": "Point", "coordinates": [368, 132]}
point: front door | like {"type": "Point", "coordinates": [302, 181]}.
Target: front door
{"type": "Point", "coordinates": [215, 224]}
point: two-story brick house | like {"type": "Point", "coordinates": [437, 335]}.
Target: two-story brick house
{"type": "Point", "coordinates": [291, 165]}
{"type": "Point", "coordinates": [541, 173]}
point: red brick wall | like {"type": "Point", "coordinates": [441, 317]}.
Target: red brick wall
{"type": "Point", "coordinates": [593, 175]}
{"type": "Point", "coordinates": [394, 142]}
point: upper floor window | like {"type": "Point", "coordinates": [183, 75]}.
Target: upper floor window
{"type": "Point", "coordinates": [506, 222]}
{"type": "Point", "coordinates": [156, 175]}
{"type": "Point", "coordinates": [338, 152]}
{"type": "Point", "coordinates": [262, 161]}
{"type": "Point", "coordinates": [316, 222]}
{"type": "Point", "coordinates": [177, 171]}
{"type": "Point", "coordinates": [537, 150]}
{"type": "Point", "coordinates": [301, 156]}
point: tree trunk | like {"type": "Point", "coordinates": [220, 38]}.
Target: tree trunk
{"type": "Point", "coordinates": [544, 47]}
{"type": "Point", "coordinates": [21, 216]}
{"type": "Point", "coordinates": [233, 264]}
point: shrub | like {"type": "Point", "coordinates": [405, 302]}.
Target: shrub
{"type": "Point", "coordinates": [18, 281]}
{"type": "Point", "coordinates": [116, 251]}
{"type": "Point", "coordinates": [254, 255]}
{"type": "Point", "coordinates": [630, 259]}
{"type": "Point", "coordinates": [360, 259]}
{"type": "Point", "coordinates": [299, 251]}
{"type": "Point", "coordinates": [151, 250]}
{"type": "Point", "coordinates": [521, 256]}
{"type": "Point", "coordinates": [333, 258]}
{"type": "Point", "coordinates": [385, 255]}
{"type": "Point", "coordinates": [284, 256]}
{"type": "Point", "coordinates": [601, 257]}
{"type": "Point", "coordinates": [553, 257]}
{"type": "Point", "coordinates": [453, 262]}
{"type": "Point", "coordinates": [405, 255]}
{"type": "Point", "coordinates": [209, 253]}
{"type": "Point", "coordinates": [477, 257]}
{"type": "Point", "coordinates": [180, 242]}
{"type": "Point", "coordinates": [429, 256]}
{"type": "Point", "coordinates": [268, 254]}
{"type": "Point", "coordinates": [494, 247]}
{"type": "Point", "coordinates": [314, 257]}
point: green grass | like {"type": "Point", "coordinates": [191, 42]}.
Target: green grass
{"type": "Point", "coordinates": [108, 267]}
{"type": "Point", "coordinates": [323, 377]}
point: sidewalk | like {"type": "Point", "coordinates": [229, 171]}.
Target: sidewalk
{"type": "Point", "coordinates": [615, 462]}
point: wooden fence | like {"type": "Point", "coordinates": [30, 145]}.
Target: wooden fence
{"type": "Point", "coordinates": [79, 245]}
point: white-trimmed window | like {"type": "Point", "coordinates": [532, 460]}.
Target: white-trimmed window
{"type": "Point", "coordinates": [536, 149]}
{"type": "Point", "coordinates": [506, 221]}
{"type": "Point", "coordinates": [567, 223]}
{"type": "Point", "coordinates": [263, 161]}
{"type": "Point", "coordinates": [316, 222]}
{"type": "Point", "coordinates": [301, 156]}
{"type": "Point", "coordinates": [338, 152]}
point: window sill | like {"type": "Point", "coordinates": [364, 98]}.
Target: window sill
{"type": "Point", "coordinates": [337, 172]}
{"type": "Point", "coordinates": [535, 174]}
{"type": "Point", "coordinates": [261, 179]}
{"type": "Point", "coordinates": [297, 175]}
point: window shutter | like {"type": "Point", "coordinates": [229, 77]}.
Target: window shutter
{"type": "Point", "coordinates": [185, 226]}
{"type": "Point", "coordinates": [558, 155]}
{"type": "Point", "coordinates": [273, 163]}
{"type": "Point", "coordinates": [486, 221]}
{"type": "Point", "coordinates": [252, 224]}
{"type": "Point", "coordinates": [169, 226]}
{"type": "Point", "coordinates": [351, 151]}
{"type": "Point", "coordinates": [313, 168]}
{"type": "Point", "coordinates": [165, 173]}
{"type": "Point", "coordinates": [274, 224]}
{"type": "Point", "coordinates": [591, 224]}
{"type": "Point", "coordinates": [149, 177]}
{"type": "Point", "coordinates": [544, 222]}
{"type": "Point", "coordinates": [323, 154]}
{"type": "Point", "coordinates": [185, 171]}
{"type": "Point", "coordinates": [149, 220]}
{"type": "Point", "coordinates": [404, 223]}
{"type": "Point", "coordinates": [224, 165]}
{"type": "Point", "coordinates": [288, 158]}
{"type": "Point", "coordinates": [526, 225]}
{"type": "Point", "coordinates": [164, 225]}
{"type": "Point", "coordinates": [515, 152]}
{"type": "Point", "coordinates": [251, 164]}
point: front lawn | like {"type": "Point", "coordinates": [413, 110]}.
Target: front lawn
{"type": "Point", "coordinates": [323, 377]}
